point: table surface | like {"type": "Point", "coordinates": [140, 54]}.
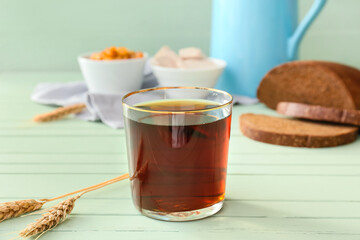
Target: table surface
{"type": "Point", "coordinates": [273, 192]}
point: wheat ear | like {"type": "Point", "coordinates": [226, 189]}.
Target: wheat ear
{"type": "Point", "coordinates": [17, 208]}
{"type": "Point", "coordinates": [59, 113]}
{"type": "Point", "coordinates": [58, 213]}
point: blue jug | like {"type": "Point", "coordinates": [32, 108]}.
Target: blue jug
{"type": "Point", "coordinates": [253, 36]}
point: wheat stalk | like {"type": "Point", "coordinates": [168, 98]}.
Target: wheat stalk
{"type": "Point", "coordinates": [58, 213]}
{"type": "Point", "coordinates": [17, 208]}
{"type": "Point", "coordinates": [59, 113]}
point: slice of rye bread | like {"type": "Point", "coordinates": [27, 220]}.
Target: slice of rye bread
{"type": "Point", "coordinates": [295, 133]}
{"type": "Point", "coordinates": [319, 113]}
{"type": "Point", "coordinates": [312, 82]}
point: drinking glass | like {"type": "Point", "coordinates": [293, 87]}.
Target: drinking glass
{"type": "Point", "coordinates": [177, 144]}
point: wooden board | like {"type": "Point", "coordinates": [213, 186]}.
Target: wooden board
{"type": "Point", "coordinates": [273, 192]}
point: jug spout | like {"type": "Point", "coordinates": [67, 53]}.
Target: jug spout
{"type": "Point", "coordinates": [295, 39]}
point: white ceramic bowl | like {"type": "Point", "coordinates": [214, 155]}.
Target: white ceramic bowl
{"type": "Point", "coordinates": [178, 77]}
{"type": "Point", "coordinates": [112, 76]}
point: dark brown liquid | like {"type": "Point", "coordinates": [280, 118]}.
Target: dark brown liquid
{"type": "Point", "coordinates": [181, 167]}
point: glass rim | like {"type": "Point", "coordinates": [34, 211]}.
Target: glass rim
{"type": "Point", "coordinates": [177, 112]}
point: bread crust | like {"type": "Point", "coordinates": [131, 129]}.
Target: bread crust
{"type": "Point", "coordinates": [319, 113]}
{"type": "Point", "coordinates": [295, 133]}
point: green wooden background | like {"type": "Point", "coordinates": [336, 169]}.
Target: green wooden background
{"type": "Point", "coordinates": [48, 35]}
{"type": "Point", "coordinates": [272, 192]}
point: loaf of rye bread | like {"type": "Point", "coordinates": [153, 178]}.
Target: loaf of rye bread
{"type": "Point", "coordinates": [295, 133]}
{"type": "Point", "coordinates": [311, 82]}
{"type": "Point", "coordinates": [319, 113]}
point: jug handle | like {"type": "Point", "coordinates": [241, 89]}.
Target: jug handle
{"type": "Point", "coordinates": [294, 40]}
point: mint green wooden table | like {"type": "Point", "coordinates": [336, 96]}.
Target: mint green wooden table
{"type": "Point", "coordinates": [273, 192]}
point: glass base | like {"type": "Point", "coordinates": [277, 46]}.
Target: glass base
{"type": "Point", "coordinates": [184, 216]}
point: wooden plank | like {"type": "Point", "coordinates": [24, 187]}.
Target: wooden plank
{"type": "Point", "coordinates": [227, 226]}
{"type": "Point", "coordinates": [61, 157]}
{"type": "Point", "coordinates": [63, 144]}
{"type": "Point", "coordinates": [68, 124]}
{"type": "Point", "coordinates": [259, 159]}
{"type": "Point", "coordinates": [177, 235]}
{"type": "Point", "coordinates": [47, 132]}
{"type": "Point", "coordinates": [245, 187]}
{"type": "Point", "coordinates": [235, 208]}
{"type": "Point", "coordinates": [237, 169]}
{"type": "Point", "coordinates": [116, 144]}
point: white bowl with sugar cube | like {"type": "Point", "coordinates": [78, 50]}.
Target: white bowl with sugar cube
{"type": "Point", "coordinates": [190, 68]}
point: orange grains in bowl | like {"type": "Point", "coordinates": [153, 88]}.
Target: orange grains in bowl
{"type": "Point", "coordinates": [116, 53]}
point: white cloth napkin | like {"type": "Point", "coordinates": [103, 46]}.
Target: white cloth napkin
{"type": "Point", "coordinates": [99, 107]}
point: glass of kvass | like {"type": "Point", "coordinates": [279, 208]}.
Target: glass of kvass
{"type": "Point", "coordinates": [177, 145]}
